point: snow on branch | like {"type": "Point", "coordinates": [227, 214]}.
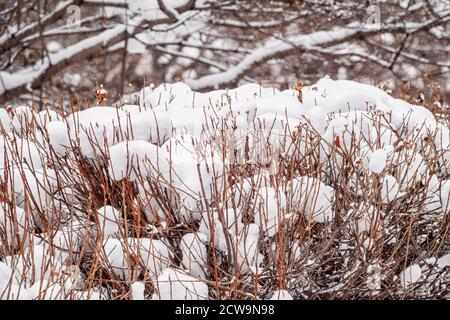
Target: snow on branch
{"type": "Point", "coordinates": [32, 77]}
{"type": "Point", "coordinates": [300, 43]}
{"type": "Point", "coordinates": [14, 35]}
{"type": "Point", "coordinates": [13, 82]}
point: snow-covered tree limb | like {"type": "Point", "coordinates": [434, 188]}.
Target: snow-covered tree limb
{"type": "Point", "coordinates": [297, 44]}
{"type": "Point", "coordinates": [16, 35]}
{"type": "Point", "coordinates": [26, 79]}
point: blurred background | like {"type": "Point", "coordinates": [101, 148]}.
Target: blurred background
{"type": "Point", "coordinates": [58, 53]}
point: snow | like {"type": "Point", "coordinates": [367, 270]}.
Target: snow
{"type": "Point", "coordinates": [317, 118]}
{"type": "Point", "coordinates": [444, 261]}
{"type": "Point", "coordinates": [15, 292]}
{"type": "Point", "coordinates": [271, 204]}
{"type": "Point", "coordinates": [313, 198]}
{"type": "Point", "coordinates": [22, 118]}
{"type": "Point", "coordinates": [445, 195]}
{"type": "Point", "coordinates": [58, 136]}
{"type": "Point", "coordinates": [152, 126]}
{"type": "Point", "coordinates": [137, 291]}
{"type": "Point", "coordinates": [193, 172]}
{"type": "Point", "coordinates": [280, 104]}
{"type": "Point", "coordinates": [175, 284]}
{"type": "Point", "coordinates": [108, 221]}
{"type": "Point", "coordinates": [390, 189]}
{"type": "Point", "coordinates": [13, 221]}
{"type": "Point", "coordinates": [53, 46]}
{"type": "Point", "coordinates": [194, 251]}
{"type": "Point", "coordinates": [135, 158]}
{"type": "Point", "coordinates": [374, 280]}
{"type": "Point", "coordinates": [281, 295]}
{"type": "Point", "coordinates": [378, 161]}
{"type": "Point", "coordinates": [367, 217]}
{"type": "Point", "coordinates": [340, 133]}
{"type": "Point", "coordinates": [216, 231]}
{"type": "Point", "coordinates": [30, 74]}
{"type": "Point", "coordinates": [46, 290]}
{"type": "Point", "coordinates": [154, 254]}
{"type": "Point", "coordinates": [410, 275]}
{"type": "Point", "coordinates": [45, 116]}
{"type": "Point", "coordinates": [5, 276]}
{"type": "Point", "coordinates": [147, 9]}
{"type": "Point", "coordinates": [412, 169]}
{"type": "Point", "coordinates": [72, 80]}
{"type": "Point", "coordinates": [165, 94]}
{"type": "Point", "coordinates": [95, 128]}
{"type": "Point", "coordinates": [5, 119]}
{"type": "Point", "coordinates": [115, 259]}
{"type": "Point", "coordinates": [39, 267]}
{"type": "Point", "coordinates": [28, 152]}
{"type": "Point", "coordinates": [247, 245]}
{"type": "Point", "coordinates": [270, 49]}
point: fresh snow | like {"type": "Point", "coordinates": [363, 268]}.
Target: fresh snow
{"type": "Point", "coordinates": [175, 284]}
{"type": "Point", "coordinates": [281, 295]}
{"type": "Point", "coordinates": [378, 161]}
{"type": "Point", "coordinates": [410, 275]}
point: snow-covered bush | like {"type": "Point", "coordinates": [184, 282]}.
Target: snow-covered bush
{"type": "Point", "coordinates": [245, 193]}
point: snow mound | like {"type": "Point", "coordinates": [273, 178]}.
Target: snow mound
{"type": "Point", "coordinates": [175, 284]}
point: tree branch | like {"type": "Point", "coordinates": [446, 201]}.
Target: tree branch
{"type": "Point", "coordinates": [33, 77]}
{"type": "Point", "coordinates": [7, 41]}
{"type": "Point", "coordinates": [281, 48]}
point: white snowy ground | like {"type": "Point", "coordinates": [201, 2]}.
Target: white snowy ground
{"type": "Point", "coordinates": [185, 149]}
